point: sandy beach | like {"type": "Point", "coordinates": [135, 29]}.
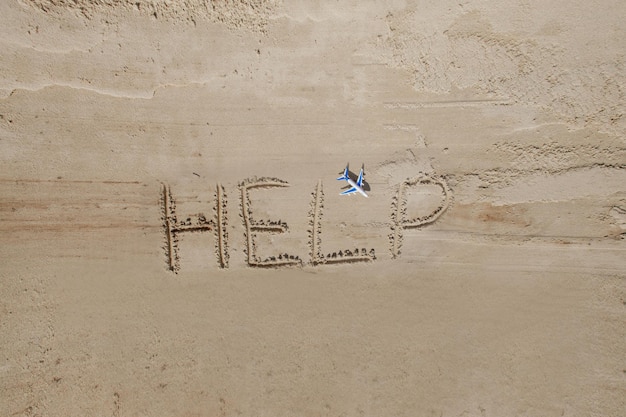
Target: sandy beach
{"type": "Point", "coordinates": [174, 242]}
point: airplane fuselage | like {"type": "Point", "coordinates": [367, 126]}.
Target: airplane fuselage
{"type": "Point", "coordinates": [358, 187]}
{"type": "Point", "coordinates": [355, 185]}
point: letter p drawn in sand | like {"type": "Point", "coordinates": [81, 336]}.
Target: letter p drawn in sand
{"type": "Point", "coordinates": [399, 222]}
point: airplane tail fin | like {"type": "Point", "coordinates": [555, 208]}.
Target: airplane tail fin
{"type": "Point", "coordinates": [344, 177]}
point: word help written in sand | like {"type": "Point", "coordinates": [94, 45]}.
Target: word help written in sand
{"type": "Point", "coordinates": [173, 227]}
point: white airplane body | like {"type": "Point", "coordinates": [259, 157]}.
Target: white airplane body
{"type": "Point", "coordinates": [357, 186]}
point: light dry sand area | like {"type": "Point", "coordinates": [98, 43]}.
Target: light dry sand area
{"type": "Point", "coordinates": [173, 241]}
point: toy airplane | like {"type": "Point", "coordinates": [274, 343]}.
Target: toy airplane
{"type": "Point", "coordinates": [356, 186]}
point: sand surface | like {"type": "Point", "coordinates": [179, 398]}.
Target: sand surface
{"type": "Point", "coordinates": [173, 241]}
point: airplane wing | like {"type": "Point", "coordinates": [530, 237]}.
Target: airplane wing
{"type": "Point", "coordinates": [360, 179]}
{"type": "Point", "coordinates": [344, 177]}
{"type": "Point", "coordinates": [350, 191]}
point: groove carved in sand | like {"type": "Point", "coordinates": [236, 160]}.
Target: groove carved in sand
{"type": "Point", "coordinates": [269, 226]}
{"type": "Point", "coordinates": [315, 237]}
{"type": "Point", "coordinates": [315, 228]}
{"type": "Point", "coordinates": [173, 227]}
{"type": "Point", "coordinates": [399, 222]}
{"type": "Point", "coordinates": [221, 221]}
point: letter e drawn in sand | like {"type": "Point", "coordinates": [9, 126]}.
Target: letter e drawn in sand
{"type": "Point", "coordinates": [174, 228]}
{"type": "Point", "coordinates": [399, 222]}
{"type": "Point", "coordinates": [315, 237]}
{"type": "Point", "coordinates": [268, 226]}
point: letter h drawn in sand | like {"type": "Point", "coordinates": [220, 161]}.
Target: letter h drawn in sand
{"type": "Point", "coordinates": [173, 227]}
{"type": "Point", "coordinates": [268, 226]}
{"type": "Point", "coordinates": [399, 222]}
